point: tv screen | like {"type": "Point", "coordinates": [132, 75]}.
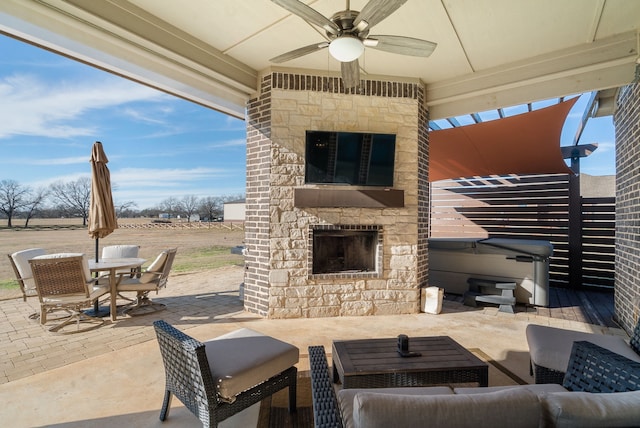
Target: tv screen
{"type": "Point", "coordinates": [354, 158]}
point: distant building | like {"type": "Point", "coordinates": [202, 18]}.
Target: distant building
{"type": "Point", "coordinates": [234, 210]}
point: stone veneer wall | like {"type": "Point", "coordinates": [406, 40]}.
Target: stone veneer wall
{"type": "Point", "coordinates": [627, 281]}
{"type": "Point", "coordinates": [277, 280]}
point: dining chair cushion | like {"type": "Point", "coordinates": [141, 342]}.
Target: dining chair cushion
{"type": "Point", "coordinates": [120, 251]}
{"type": "Point", "coordinates": [244, 358]}
{"type": "Point", "coordinates": [71, 298]}
{"type": "Point", "coordinates": [85, 262]}
{"type": "Point", "coordinates": [21, 260]}
{"type": "Point", "coordinates": [155, 266]}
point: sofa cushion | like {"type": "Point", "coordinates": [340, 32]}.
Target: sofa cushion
{"type": "Point", "coordinates": [513, 408]}
{"type": "Point", "coordinates": [538, 389]}
{"type": "Point", "coordinates": [584, 409]}
{"type": "Point", "coordinates": [244, 358]}
{"type": "Point", "coordinates": [346, 396]}
{"type": "Point", "coordinates": [550, 347]}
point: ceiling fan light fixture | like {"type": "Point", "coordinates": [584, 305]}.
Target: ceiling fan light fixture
{"type": "Point", "coordinates": [346, 48]}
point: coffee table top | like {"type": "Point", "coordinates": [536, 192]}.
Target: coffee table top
{"type": "Point", "coordinates": [376, 356]}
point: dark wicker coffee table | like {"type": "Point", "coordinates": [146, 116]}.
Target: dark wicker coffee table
{"type": "Point", "coordinates": [375, 363]}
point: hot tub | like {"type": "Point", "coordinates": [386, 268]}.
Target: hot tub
{"type": "Point", "coordinates": [452, 261]}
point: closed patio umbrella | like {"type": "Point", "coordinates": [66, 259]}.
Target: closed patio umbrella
{"type": "Point", "coordinates": [102, 213]}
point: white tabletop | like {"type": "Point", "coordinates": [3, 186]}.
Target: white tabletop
{"type": "Point", "coordinates": [119, 263]}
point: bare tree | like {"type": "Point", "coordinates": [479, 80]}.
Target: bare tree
{"type": "Point", "coordinates": [13, 196]}
{"type": "Point", "coordinates": [211, 207]}
{"type": "Point", "coordinates": [170, 205]}
{"type": "Point", "coordinates": [189, 206]}
{"type": "Point", "coordinates": [32, 206]}
{"type": "Point", "coordinates": [124, 209]}
{"type": "Point", "coordinates": [74, 197]}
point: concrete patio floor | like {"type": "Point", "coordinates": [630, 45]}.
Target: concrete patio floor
{"type": "Point", "coordinates": [113, 376]}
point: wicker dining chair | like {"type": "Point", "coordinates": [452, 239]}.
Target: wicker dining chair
{"type": "Point", "coordinates": [121, 251]}
{"type": "Point", "coordinates": [63, 282]}
{"type": "Point", "coordinates": [20, 263]}
{"type": "Point", "coordinates": [152, 279]}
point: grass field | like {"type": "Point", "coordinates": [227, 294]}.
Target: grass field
{"type": "Point", "coordinates": [198, 249]}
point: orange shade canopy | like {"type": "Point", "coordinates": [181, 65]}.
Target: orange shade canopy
{"type": "Point", "coordinates": [528, 143]}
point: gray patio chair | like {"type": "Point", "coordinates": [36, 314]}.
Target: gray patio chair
{"type": "Point", "coordinates": [152, 279]}
{"type": "Point", "coordinates": [221, 377]}
{"type": "Point", "coordinates": [63, 282]}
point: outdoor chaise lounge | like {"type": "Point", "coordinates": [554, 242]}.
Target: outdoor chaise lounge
{"type": "Point", "coordinates": [592, 369]}
{"type": "Point", "coordinates": [550, 349]}
{"type": "Point", "coordinates": [220, 377]}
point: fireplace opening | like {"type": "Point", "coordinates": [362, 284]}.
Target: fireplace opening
{"type": "Point", "coordinates": [344, 251]}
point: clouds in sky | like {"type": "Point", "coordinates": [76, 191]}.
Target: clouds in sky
{"type": "Point", "coordinates": [159, 146]}
{"type": "Point", "coordinates": [31, 106]}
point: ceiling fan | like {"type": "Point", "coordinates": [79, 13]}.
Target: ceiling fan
{"type": "Point", "coordinates": [348, 35]}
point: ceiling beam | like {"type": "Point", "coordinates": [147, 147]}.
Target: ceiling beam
{"type": "Point", "coordinates": [179, 64]}
{"type": "Point", "coordinates": [602, 64]}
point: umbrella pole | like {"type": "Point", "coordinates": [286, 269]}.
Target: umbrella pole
{"type": "Point", "coordinates": [97, 312]}
{"type": "Point", "coordinates": [96, 306]}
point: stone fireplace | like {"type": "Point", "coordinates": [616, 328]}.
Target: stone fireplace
{"type": "Point", "coordinates": [317, 250]}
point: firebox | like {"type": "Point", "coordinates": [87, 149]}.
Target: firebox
{"type": "Point", "coordinates": [345, 250]}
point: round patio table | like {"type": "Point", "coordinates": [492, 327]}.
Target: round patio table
{"type": "Point", "coordinates": [112, 266]}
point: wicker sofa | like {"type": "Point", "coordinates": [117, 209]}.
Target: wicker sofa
{"type": "Point", "coordinates": [550, 349]}
{"type": "Point", "coordinates": [579, 402]}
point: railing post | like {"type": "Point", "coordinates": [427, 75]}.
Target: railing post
{"type": "Point", "coordinates": [575, 232]}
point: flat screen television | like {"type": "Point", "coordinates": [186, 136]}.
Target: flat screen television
{"type": "Point", "coordinates": [354, 158]}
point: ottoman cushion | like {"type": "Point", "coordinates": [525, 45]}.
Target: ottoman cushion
{"type": "Point", "coordinates": [244, 358]}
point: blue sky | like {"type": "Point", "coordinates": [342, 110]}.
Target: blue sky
{"type": "Point", "coordinates": [52, 109]}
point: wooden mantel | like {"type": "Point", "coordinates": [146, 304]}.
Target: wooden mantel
{"type": "Point", "coordinates": [348, 198]}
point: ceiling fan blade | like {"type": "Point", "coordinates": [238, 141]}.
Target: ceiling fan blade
{"type": "Point", "coordinates": [350, 74]}
{"type": "Point", "coordinates": [299, 52]}
{"type": "Point", "coordinates": [401, 45]}
{"type": "Point", "coordinates": [308, 14]}
{"type": "Point", "coordinates": [374, 12]}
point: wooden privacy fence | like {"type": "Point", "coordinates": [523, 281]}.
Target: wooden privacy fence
{"type": "Point", "coordinates": [532, 207]}
{"type": "Point", "coordinates": [122, 224]}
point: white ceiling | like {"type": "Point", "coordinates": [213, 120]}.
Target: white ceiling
{"type": "Point", "coordinates": [490, 54]}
